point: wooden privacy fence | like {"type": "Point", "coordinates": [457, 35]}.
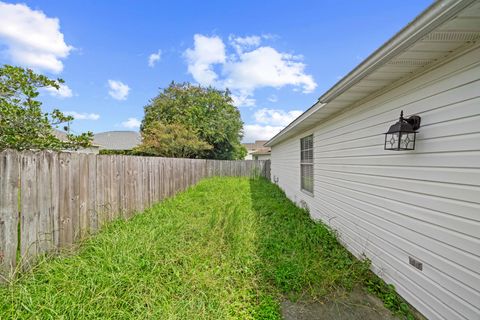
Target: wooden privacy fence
{"type": "Point", "coordinates": [49, 200]}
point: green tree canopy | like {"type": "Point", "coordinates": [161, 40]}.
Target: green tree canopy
{"type": "Point", "coordinates": [171, 140]}
{"type": "Point", "coordinates": [207, 113]}
{"type": "Point", "coordinates": [23, 124]}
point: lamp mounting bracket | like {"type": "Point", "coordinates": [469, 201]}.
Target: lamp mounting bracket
{"type": "Point", "coordinates": [414, 121]}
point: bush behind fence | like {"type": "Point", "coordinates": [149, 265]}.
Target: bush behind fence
{"type": "Point", "coordinates": [49, 200]}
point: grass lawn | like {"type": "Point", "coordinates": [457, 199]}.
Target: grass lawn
{"type": "Point", "coordinates": [228, 248]}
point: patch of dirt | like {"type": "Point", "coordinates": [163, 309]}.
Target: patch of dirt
{"type": "Point", "coordinates": [355, 305]}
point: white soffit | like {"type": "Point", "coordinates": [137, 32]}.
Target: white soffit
{"type": "Point", "coordinates": [460, 28]}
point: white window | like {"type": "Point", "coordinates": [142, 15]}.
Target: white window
{"type": "Point", "coordinates": [306, 163]}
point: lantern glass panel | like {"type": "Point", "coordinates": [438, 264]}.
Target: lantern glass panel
{"type": "Point", "coordinates": [407, 141]}
{"type": "Point", "coordinates": [391, 141]}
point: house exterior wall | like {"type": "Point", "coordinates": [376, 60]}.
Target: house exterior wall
{"type": "Point", "coordinates": [390, 206]}
{"type": "Point", "coordinates": [249, 155]}
{"type": "Point", "coordinates": [93, 149]}
{"type": "Point", "coordinates": [261, 157]}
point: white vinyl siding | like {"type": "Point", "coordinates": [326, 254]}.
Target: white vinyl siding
{"type": "Point", "coordinates": [390, 206]}
{"type": "Point", "coordinates": [306, 163]}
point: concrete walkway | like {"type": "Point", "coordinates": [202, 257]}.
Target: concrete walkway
{"type": "Point", "coordinates": [357, 305]}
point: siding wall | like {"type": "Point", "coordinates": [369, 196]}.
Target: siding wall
{"type": "Point", "coordinates": [391, 205]}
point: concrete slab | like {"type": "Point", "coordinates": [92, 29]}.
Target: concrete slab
{"type": "Point", "coordinates": [356, 305]}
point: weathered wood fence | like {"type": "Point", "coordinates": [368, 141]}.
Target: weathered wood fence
{"type": "Point", "coordinates": [49, 200]}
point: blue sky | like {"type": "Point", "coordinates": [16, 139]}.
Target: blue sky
{"type": "Point", "coordinates": [277, 57]}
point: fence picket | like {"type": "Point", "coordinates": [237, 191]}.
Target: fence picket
{"type": "Point", "coordinates": [55, 187]}
{"type": "Point", "coordinates": [63, 203]}
{"type": "Point", "coordinates": [83, 195]}
{"type": "Point", "coordinates": [107, 181]}
{"type": "Point", "coordinates": [46, 202]}
{"type": "Point", "coordinates": [92, 194]}
{"type": "Point", "coordinates": [115, 186]}
{"type": "Point", "coordinates": [29, 207]}
{"type": "Point", "coordinates": [9, 173]}
{"type": "Point", "coordinates": [74, 198]}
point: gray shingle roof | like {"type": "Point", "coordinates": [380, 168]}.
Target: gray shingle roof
{"type": "Point", "coordinates": [117, 140]}
{"type": "Point", "coordinates": [256, 145]}
{"type": "Point", "coordinates": [264, 150]}
{"type": "Point", "coordinates": [62, 135]}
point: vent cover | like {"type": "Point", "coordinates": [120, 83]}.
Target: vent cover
{"type": "Point", "coordinates": [409, 62]}
{"type": "Point", "coordinates": [451, 36]}
{"type": "Point", "coordinates": [417, 264]}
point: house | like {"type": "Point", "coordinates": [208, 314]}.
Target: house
{"type": "Point", "coordinates": [117, 140]}
{"type": "Point", "coordinates": [261, 154]}
{"type": "Point", "coordinates": [414, 213]}
{"type": "Point", "coordinates": [258, 145]}
{"type": "Point", "coordinates": [62, 135]}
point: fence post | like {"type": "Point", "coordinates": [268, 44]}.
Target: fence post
{"type": "Point", "coordinates": [9, 179]}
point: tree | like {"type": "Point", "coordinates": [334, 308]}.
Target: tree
{"type": "Point", "coordinates": [206, 113]}
{"type": "Point", "coordinates": [171, 140]}
{"type": "Point", "coordinates": [23, 124]}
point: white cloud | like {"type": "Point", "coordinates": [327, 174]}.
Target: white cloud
{"type": "Point", "coordinates": [31, 38]}
{"type": "Point", "coordinates": [206, 52]}
{"type": "Point", "coordinates": [248, 68]}
{"type": "Point", "coordinates": [269, 122]}
{"type": "Point", "coordinates": [254, 132]}
{"type": "Point", "coordinates": [266, 67]}
{"type": "Point", "coordinates": [83, 116]}
{"type": "Point", "coordinates": [243, 99]}
{"type": "Point", "coordinates": [131, 123]}
{"type": "Point", "coordinates": [273, 98]}
{"type": "Point", "coordinates": [246, 41]}
{"type": "Point", "coordinates": [154, 58]}
{"type": "Point", "coordinates": [118, 90]}
{"type": "Point", "coordinates": [243, 43]}
{"type": "Point", "coordinates": [276, 117]}
{"type": "Point", "coordinates": [63, 92]}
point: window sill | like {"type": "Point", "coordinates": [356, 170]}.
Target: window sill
{"type": "Point", "coordinates": [307, 192]}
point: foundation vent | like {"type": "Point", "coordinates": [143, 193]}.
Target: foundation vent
{"type": "Point", "coordinates": [417, 264]}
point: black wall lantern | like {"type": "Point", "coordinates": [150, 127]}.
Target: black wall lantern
{"type": "Point", "coordinates": [401, 136]}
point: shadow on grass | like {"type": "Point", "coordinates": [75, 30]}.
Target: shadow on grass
{"type": "Point", "coordinates": [300, 258]}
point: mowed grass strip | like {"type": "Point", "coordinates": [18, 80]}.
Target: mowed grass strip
{"type": "Point", "coordinates": [228, 248]}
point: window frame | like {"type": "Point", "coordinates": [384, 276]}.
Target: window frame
{"type": "Point", "coordinates": [306, 161]}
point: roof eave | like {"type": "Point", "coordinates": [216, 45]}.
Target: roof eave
{"type": "Point", "coordinates": [432, 17]}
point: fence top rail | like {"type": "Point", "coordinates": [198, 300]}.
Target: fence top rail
{"type": "Point", "coordinates": [36, 151]}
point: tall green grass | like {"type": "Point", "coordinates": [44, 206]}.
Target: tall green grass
{"type": "Point", "coordinates": [228, 248]}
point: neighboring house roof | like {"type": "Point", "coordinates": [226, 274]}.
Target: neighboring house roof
{"type": "Point", "coordinates": [262, 151]}
{"type": "Point", "coordinates": [62, 135]}
{"type": "Point", "coordinates": [255, 145]}
{"type": "Point", "coordinates": [117, 140]}
{"type": "Point", "coordinates": [429, 40]}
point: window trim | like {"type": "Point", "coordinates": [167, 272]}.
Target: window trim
{"type": "Point", "coordinates": [309, 162]}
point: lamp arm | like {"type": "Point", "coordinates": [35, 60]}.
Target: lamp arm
{"type": "Point", "coordinates": [414, 121]}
